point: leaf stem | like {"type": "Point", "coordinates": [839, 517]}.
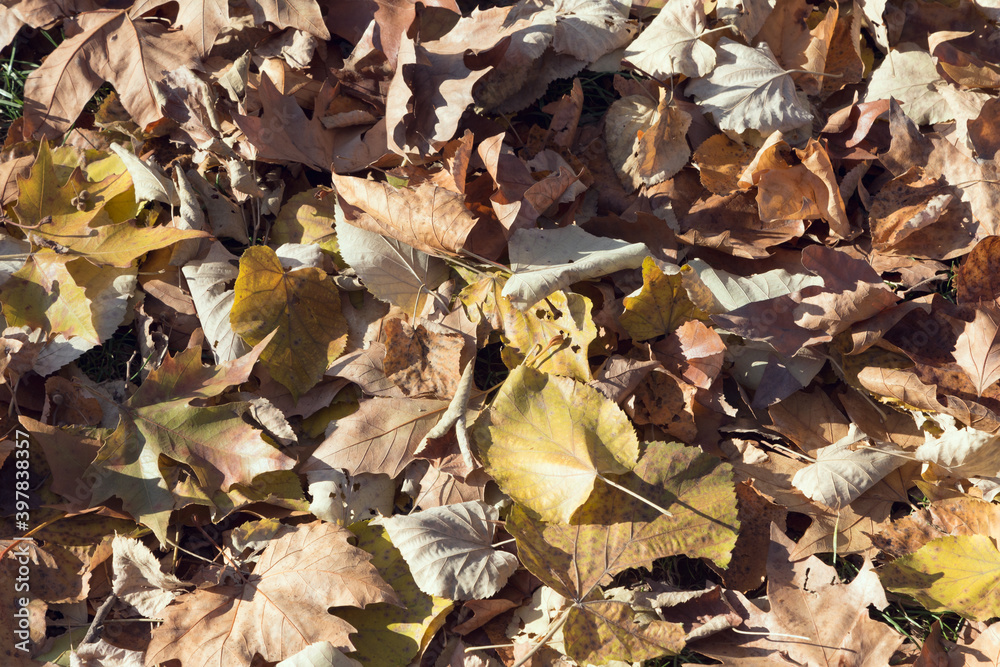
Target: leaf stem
{"type": "Point", "coordinates": [634, 495]}
{"type": "Point", "coordinates": [553, 629]}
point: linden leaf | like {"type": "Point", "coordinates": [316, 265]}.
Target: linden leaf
{"type": "Point", "coordinates": [660, 306]}
{"type": "Point", "coordinates": [615, 532]}
{"type": "Point", "coordinates": [646, 141]}
{"type": "Point", "coordinates": [449, 550]}
{"type": "Point", "coordinates": [546, 260]}
{"type": "Point", "coordinates": [302, 305]}
{"type": "Point", "coordinates": [749, 90]}
{"type": "Point", "coordinates": [548, 439]}
{"type": "Point", "coordinates": [565, 318]}
{"type": "Point", "coordinates": [279, 609]}
{"type": "Point", "coordinates": [390, 635]}
{"type": "Point", "coordinates": [671, 44]}
{"type": "Point", "coordinates": [955, 573]}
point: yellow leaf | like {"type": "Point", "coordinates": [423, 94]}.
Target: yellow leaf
{"type": "Point", "coordinates": [303, 305]}
{"type": "Point", "coordinates": [547, 439]}
{"type": "Point", "coordinates": [564, 320]}
{"type": "Point", "coordinates": [661, 305]}
{"type": "Point", "coordinates": [955, 573]}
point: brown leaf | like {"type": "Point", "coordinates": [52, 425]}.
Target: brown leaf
{"type": "Point", "coordinates": [977, 350]}
{"type": "Point", "coordinates": [279, 609]}
{"type": "Point", "coordinates": [427, 217]}
{"type": "Point", "coordinates": [422, 361]}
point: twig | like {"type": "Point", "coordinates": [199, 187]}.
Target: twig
{"type": "Point", "coordinates": [93, 634]}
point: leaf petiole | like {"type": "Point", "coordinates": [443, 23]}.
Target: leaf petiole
{"type": "Point", "coordinates": [634, 495]}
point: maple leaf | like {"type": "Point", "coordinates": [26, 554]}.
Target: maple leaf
{"type": "Point", "coordinates": [302, 306]}
{"type": "Point", "coordinates": [103, 45]}
{"type": "Point", "coordinates": [748, 90]}
{"type": "Point", "coordinates": [272, 612]}
{"type": "Point", "coordinates": [158, 420]}
{"type": "Point", "coordinates": [200, 20]}
{"type": "Point", "coordinates": [806, 599]}
{"type": "Point", "coordinates": [389, 634]}
{"type": "Point", "coordinates": [449, 550]}
{"type": "Point", "coordinates": [545, 427]}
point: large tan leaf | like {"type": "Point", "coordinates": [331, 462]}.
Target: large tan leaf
{"type": "Point", "coordinates": [671, 44]}
{"type": "Point", "coordinates": [111, 46]}
{"type": "Point", "coordinates": [646, 141]}
{"type": "Point", "coordinates": [302, 305]}
{"type": "Point", "coordinates": [427, 217]}
{"type": "Point", "coordinates": [302, 14]}
{"type": "Point", "coordinates": [380, 437]}
{"type": "Point", "coordinates": [548, 439]}
{"type": "Point", "coordinates": [976, 349]}
{"type": "Point", "coordinates": [449, 550]}
{"type": "Point", "coordinates": [200, 20]}
{"type": "Point", "coordinates": [280, 609]}
{"type": "Point", "coordinates": [748, 90]}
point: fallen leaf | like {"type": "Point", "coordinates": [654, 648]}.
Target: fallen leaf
{"type": "Point", "coordinates": [272, 612]}
{"type": "Point", "coordinates": [748, 90]}
{"type": "Point", "coordinates": [976, 349]}
{"type": "Point", "coordinates": [449, 550]}
{"type": "Point", "coordinates": [660, 307]}
{"type": "Point", "coordinates": [303, 306]}
{"type": "Point", "coordinates": [671, 44]}
{"type": "Point", "coordinates": [545, 427]}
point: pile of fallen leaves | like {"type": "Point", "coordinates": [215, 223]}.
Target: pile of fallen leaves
{"type": "Point", "coordinates": [437, 366]}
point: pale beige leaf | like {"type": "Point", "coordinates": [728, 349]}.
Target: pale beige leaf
{"type": "Point", "coordinates": [139, 580]}
{"type": "Point", "coordinates": [320, 654]}
{"type": "Point", "coordinates": [977, 349]}
{"type": "Point", "coordinates": [671, 44]}
{"type": "Point", "coordinates": [546, 260]}
{"type": "Point", "coordinates": [151, 184]}
{"type": "Point", "coordinates": [449, 550]}
{"type": "Point", "coordinates": [749, 90]}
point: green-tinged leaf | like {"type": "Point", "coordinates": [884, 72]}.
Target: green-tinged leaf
{"type": "Point", "coordinates": [306, 218]}
{"type": "Point", "coordinates": [614, 531]}
{"type": "Point", "coordinates": [68, 295]}
{"type": "Point", "coordinates": [387, 635]}
{"type": "Point", "coordinates": [546, 260]}
{"type": "Point", "coordinates": [602, 630]}
{"type": "Point", "coordinates": [547, 439]}
{"type": "Point", "coordinates": [955, 573]}
{"type": "Point", "coordinates": [564, 320]}
{"type": "Point", "coordinates": [218, 447]}
{"type": "Point", "coordinates": [661, 305]}
{"type": "Point", "coordinates": [303, 306]}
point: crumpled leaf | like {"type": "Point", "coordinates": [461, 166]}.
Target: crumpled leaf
{"type": "Point", "coordinates": [139, 581]}
{"type": "Point", "coordinates": [843, 470]}
{"type": "Point", "coordinates": [449, 550]}
{"type": "Point", "coordinates": [547, 440]}
{"type": "Point", "coordinates": [647, 144]}
{"type": "Point", "coordinates": [391, 270]}
{"type": "Point", "coordinates": [670, 45]}
{"type": "Point", "coordinates": [320, 654]}
{"type": "Point", "coordinates": [660, 306]}
{"type": "Point", "coordinates": [151, 184]}
{"type": "Point", "coordinates": [546, 260]}
{"type": "Point", "coordinates": [207, 279]}
{"type": "Point", "coordinates": [749, 90]}
{"type": "Point", "coordinates": [303, 306]}
{"type": "Point", "coordinates": [279, 609]}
